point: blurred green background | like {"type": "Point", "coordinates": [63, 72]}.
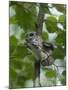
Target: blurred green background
{"type": "Point", "coordinates": [22, 19]}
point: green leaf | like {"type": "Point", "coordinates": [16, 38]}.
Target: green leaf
{"type": "Point", "coordinates": [58, 53]}
{"type": "Point", "coordinates": [27, 71]}
{"type": "Point", "coordinates": [50, 73]}
{"type": "Point", "coordinates": [44, 35]}
{"type": "Point", "coordinates": [52, 19]}
{"type": "Point", "coordinates": [60, 7]}
{"type": "Point", "coordinates": [12, 49]}
{"type": "Point", "coordinates": [21, 52]}
{"type": "Point", "coordinates": [20, 82]}
{"type": "Point", "coordinates": [44, 8]}
{"type": "Point", "coordinates": [12, 73]}
{"type": "Point", "coordinates": [13, 41]}
{"type": "Point", "coordinates": [16, 63]}
{"type": "Point", "coordinates": [23, 35]}
{"type": "Point", "coordinates": [51, 24]}
{"type": "Point", "coordinates": [21, 70]}
{"type": "Point", "coordinates": [63, 80]}
{"type": "Point", "coordinates": [28, 67]}
{"type": "Point", "coordinates": [61, 38]}
{"type": "Point", "coordinates": [63, 77]}
{"type": "Point", "coordinates": [61, 19]}
{"type": "Point", "coordinates": [30, 59]}
{"type": "Point", "coordinates": [16, 81]}
{"type": "Point", "coordinates": [26, 16]}
{"type": "Point", "coordinates": [12, 3]}
{"type": "Point", "coordinates": [12, 20]}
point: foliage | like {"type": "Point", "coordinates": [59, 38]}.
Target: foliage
{"type": "Point", "coordinates": [21, 59]}
{"type": "Point", "coordinates": [50, 73]}
{"type": "Point", "coordinates": [51, 24]}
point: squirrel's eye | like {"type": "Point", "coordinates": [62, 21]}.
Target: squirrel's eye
{"type": "Point", "coordinates": [31, 34]}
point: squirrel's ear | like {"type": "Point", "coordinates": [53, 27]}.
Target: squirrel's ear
{"type": "Point", "coordinates": [48, 45]}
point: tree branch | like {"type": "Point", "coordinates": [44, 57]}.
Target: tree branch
{"type": "Point", "coordinates": [40, 19]}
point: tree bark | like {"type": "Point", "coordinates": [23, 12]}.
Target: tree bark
{"type": "Point", "coordinates": [39, 26]}
{"type": "Point", "coordinates": [40, 19]}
